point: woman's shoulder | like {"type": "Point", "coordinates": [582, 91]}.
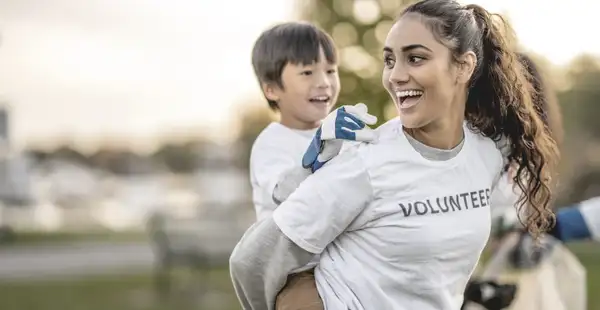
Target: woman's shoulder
{"type": "Point", "coordinates": [389, 146]}
{"type": "Point", "coordinates": [494, 152]}
{"type": "Point", "coordinates": [482, 142]}
{"type": "Point", "coordinates": [389, 128]}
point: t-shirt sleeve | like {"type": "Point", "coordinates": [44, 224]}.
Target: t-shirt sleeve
{"type": "Point", "coordinates": [326, 203]}
{"type": "Point", "coordinates": [503, 146]}
{"type": "Point", "coordinates": [267, 164]}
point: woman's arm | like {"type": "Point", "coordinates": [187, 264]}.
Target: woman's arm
{"type": "Point", "coordinates": [312, 217]}
{"type": "Point", "coordinates": [260, 263]}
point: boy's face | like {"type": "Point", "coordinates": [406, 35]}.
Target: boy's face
{"type": "Point", "coordinates": [308, 94]}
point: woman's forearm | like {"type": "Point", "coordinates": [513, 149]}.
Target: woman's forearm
{"type": "Point", "coordinates": [261, 262]}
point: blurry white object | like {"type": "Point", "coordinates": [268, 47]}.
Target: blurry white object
{"type": "Point", "coordinates": [71, 182]}
{"type": "Point", "coordinates": [113, 215]}
{"type": "Point", "coordinates": [558, 282]}
{"type": "Point", "coordinates": [182, 203]}
{"type": "Point", "coordinates": [48, 216]}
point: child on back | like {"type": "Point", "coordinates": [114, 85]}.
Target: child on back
{"type": "Point", "coordinates": [296, 66]}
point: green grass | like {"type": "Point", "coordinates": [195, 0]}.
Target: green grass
{"type": "Point", "coordinates": [589, 254]}
{"type": "Point", "coordinates": [38, 238]}
{"type": "Point", "coordinates": [137, 292]}
{"type": "Point", "coordinates": [120, 293]}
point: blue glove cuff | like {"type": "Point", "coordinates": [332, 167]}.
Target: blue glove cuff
{"type": "Point", "coordinates": [314, 149]}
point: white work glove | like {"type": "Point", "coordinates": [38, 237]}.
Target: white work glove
{"type": "Point", "coordinates": [345, 123]}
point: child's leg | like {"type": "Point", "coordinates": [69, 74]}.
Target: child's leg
{"type": "Point", "coordinates": [300, 293]}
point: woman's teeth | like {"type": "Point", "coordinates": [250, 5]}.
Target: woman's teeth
{"type": "Point", "coordinates": [405, 94]}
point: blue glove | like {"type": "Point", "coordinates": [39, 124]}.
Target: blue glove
{"type": "Point", "coordinates": [345, 123]}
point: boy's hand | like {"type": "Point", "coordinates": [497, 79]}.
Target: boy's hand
{"type": "Point", "coordinates": [345, 123]}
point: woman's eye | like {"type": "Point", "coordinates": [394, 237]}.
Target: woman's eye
{"type": "Point", "coordinates": [415, 59]}
{"type": "Point", "coordinates": [389, 62]}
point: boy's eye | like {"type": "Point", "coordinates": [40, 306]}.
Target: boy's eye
{"type": "Point", "coordinates": [331, 71]}
{"type": "Point", "coordinates": [307, 72]}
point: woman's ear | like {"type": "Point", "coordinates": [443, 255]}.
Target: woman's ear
{"type": "Point", "coordinates": [466, 66]}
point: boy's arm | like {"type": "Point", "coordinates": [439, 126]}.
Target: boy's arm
{"type": "Point", "coordinates": [288, 182]}
{"type": "Point", "coordinates": [268, 166]}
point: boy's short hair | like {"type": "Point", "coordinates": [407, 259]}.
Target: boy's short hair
{"type": "Point", "coordinates": [292, 42]}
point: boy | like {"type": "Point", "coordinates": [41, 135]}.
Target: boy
{"type": "Point", "coordinates": [296, 66]}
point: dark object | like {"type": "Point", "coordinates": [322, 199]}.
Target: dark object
{"type": "Point", "coordinates": [171, 254]}
{"type": "Point", "coordinates": [7, 235]}
{"type": "Point", "coordinates": [490, 294]}
{"type": "Point", "coordinates": [527, 254]}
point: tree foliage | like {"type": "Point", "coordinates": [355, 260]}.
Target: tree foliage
{"type": "Point", "coordinates": [359, 28]}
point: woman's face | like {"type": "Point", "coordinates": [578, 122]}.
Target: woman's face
{"type": "Point", "coordinates": [419, 74]}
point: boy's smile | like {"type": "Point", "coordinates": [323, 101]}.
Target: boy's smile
{"type": "Point", "coordinates": [308, 94]}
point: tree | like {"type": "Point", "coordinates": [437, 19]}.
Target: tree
{"type": "Point", "coordinates": [359, 28]}
{"type": "Point", "coordinates": [68, 153]}
{"type": "Point", "coordinates": [580, 101]}
{"type": "Point", "coordinates": [123, 162]}
{"type": "Point", "coordinates": [179, 158]}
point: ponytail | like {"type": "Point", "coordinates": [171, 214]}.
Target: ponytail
{"type": "Point", "coordinates": [501, 105]}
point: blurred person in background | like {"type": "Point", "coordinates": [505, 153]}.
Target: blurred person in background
{"type": "Point", "coordinates": [385, 242]}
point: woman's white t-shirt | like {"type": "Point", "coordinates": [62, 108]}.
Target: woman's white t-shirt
{"type": "Point", "coordinates": [395, 230]}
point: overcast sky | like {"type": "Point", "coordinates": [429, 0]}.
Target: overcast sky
{"type": "Point", "coordinates": [88, 68]}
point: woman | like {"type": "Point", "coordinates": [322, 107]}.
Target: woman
{"type": "Point", "coordinates": [401, 223]}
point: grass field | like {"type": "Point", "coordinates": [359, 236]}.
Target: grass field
{"type": "Point", "coordinates": [33, 238]}
{"type": "Point", "coordinates": [589, 254]}
{"type": "Point", "coordinates": [119, 293]}
{"type": "Point", "coordinates": [137, 292]}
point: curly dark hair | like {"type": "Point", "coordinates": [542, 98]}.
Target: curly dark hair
{"type": "Point", "coordinates": [500, 102]}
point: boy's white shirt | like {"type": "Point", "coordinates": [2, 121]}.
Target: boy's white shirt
{"type": "Point", "coordinates": [276, 150]}
{"type": "Point", "coordinates": [385, 242]}
{"type": "Point", "coordinates": [276, 154]}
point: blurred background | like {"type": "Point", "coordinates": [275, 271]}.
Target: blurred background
{"type": "Point", "coordinates": [125, 130]}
